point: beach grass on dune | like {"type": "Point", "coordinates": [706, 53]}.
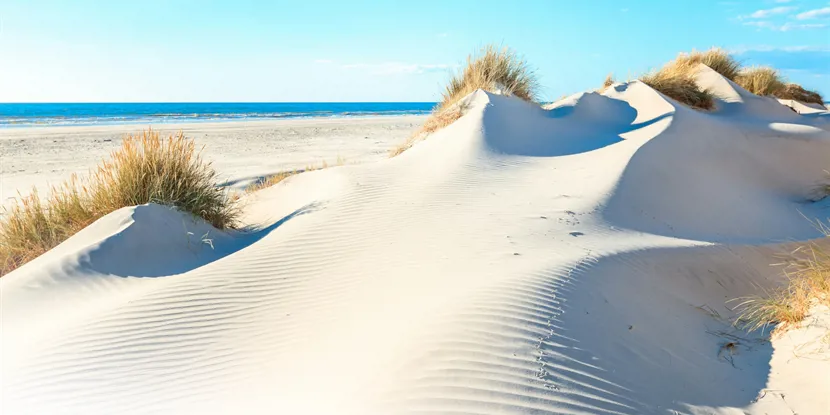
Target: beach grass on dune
{"type": "Point", "coordinates": [276, 178]}
{"type": "Point", "coordinates": [761, 80]}
{"type": "Point", "coordinates": [147, 168]}
{"type": "Point", "coordinates": [676, 80]}
{"type": "Point", "coordinates": [715, 58]}
{"type": "Point", "coordinates": [493, 69]}
{"type": "Point", "coordinates": [797, 92]}
{"type": "Point", "coordinates": [808, 283]}
{"type": "Point", "coordinates": [609, 80]}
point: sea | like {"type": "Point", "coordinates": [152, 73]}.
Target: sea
{"type": "Point", "coordinates": [53, 114]}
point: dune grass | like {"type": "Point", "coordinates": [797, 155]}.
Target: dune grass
{"type": "Point", "coordinates": [276, 178]}
{"type": "Point", "coordinates": [797, 92]}
{"type": "Point", "coordinates": [761, 80]}
{"type": "Point", "coordinates": [808, 283]}
{"type": "Point", "coordinates": [676, 80]}
{"type": "Point", "coordinates": [609, 80]}
{"type": "Point", "coordinates": [147, 168]}
{"type": "Point", "coordinates": [716, 58]}
{"type": "Point", "coordinates": [493, 69]}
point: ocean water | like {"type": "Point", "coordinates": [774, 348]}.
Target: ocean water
{"type": "Point", "coordinates": [27, 115]}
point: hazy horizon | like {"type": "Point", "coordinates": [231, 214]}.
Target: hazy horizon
{"type": "Point", "coordinates": [363, 51]}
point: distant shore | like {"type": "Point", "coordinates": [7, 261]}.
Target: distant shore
{"type": "Point", "coordinates": [241, 151]}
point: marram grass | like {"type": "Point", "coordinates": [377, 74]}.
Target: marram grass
{"type": "Point", "coordinates": [493, 69]}
{"type": "Point", "coordinates": [147, 168]}
{"type": "Point", "coordinates": [808, 283]}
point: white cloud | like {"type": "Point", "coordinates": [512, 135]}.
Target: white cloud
{"type": "Point", "coordinates": [814, 14]}
{"type": "Point", "coordinates": [396, 68]}
{"type": "Point", "coordinates": [441, 35]}
{"type": "Point", "coordinates": [786, 27]}
{"type": "Point", "coordinates": [761, 14]}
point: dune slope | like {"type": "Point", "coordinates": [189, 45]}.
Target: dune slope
{"type": "Point", "coordinates": [522, 260]}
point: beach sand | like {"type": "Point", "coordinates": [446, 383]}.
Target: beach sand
{"type": "Point", "coordinates": [240, 151]}
{"type": "Point", "coordinates": [573, 259]}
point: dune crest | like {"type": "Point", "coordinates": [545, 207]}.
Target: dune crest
{"type": "Point", "coordinates": [574, 259]}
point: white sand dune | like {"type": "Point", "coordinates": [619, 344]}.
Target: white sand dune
{"type": "Point", "coordinates": [522, 260]}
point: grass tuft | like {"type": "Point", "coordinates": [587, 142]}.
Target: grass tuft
{"type": "Point", "coordinates": [274, 179]}
{"type": "Point", "coordinates": [761, 80]}
{"type": "Point", "coordinates": [492, 69]}
{"type": "Point", "coordinates": [609, 80]}
{"type": "Point", "coordinates": [145, 169]}
{"type": "Point", "coordinates": [716, 58]}
{"type": "Point", "coordinates": [798, 93]}
{"type": "Point", "coordinates": [808, 282]}
{"type": "Point", "coordinates": [676, 80]}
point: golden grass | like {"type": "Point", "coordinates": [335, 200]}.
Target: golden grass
{"type": "Point", "coordinates": [760, 80]}
{"type": "Point", "coordinates": [145, 169]}
{"type": "Point", "coordinates": [496, 70]}
{"type": "Point", "coordinates": [278, 177]}
{"type": "Point", "coordinates": [808, 283]}
{"type": "Point", "coordinates": [716, 58]}
{"type": "Point", "coordinates": [609, 80]}
{"type": "Point", "coordinates": [798, 93]}
{"type": "Point", "coordinates": [676, 80]}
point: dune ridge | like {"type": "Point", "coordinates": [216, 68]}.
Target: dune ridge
{"type": "Point", "coordinates": [571, 259]}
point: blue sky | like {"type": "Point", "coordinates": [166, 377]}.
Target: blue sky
{"type": "Point", "coordinates": [333, 50]}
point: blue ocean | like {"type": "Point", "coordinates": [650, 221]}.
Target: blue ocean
{"type": "Point", "coordinates": [27, 115]}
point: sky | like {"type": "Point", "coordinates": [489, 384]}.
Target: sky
{"type": "Point", "coordinates": [358, 51]}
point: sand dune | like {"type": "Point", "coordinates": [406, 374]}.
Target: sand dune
{"type": "Point", "coordinates": [574, 259]}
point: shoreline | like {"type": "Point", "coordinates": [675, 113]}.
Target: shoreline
{"type": "Point", "coordinates": [9, 132]}
{"type": "Point", "coordinates": [240, 151]}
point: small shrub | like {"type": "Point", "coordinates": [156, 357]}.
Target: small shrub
{"type": "Point", "coordinates": [716, 58]}
{"type": "Point", "coordinates": [677, 81]}
{"type": "Point", "coordinates": [798, 93]}
{"type": "Point", "coordinates": [808, 282]}
{"type": "Point", "coordinates": [761, 80]}
{"type": "Point", "coordinates": [145, 169]}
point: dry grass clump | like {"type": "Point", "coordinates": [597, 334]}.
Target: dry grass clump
{"type": "Point", "coordinates": [609, 80]}
{"type": "Point", "coordinates": [145, 169]}
{"type": "Point", "coordinates": [808, 283]}
{"type": "Point", "coordinates": [278, 177]}
{"type": "Point", "coordinates": [760, 80]}
{"type": "Point", "coordinates": [676, 80]}
{"type": "Point", "coordinates": [495, 70]}
{"type": "Point", "coordinates": [798, 93]}
{"type": "Point", "coordinates": [716, 58]}
{"type": "Point", "coordinates": [492, 69]}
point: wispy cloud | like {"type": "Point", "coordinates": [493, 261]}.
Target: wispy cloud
{"type": "Point", "coordinates": [786, 27]}
{"type": "Point", "coordinates": [441, 35]}
{"type": "Point", "coordinates": [762, 14]}
{"type": "Point", "coordinates": [814, 14]}
{"type": "Point", "coordinates": [397, 68]}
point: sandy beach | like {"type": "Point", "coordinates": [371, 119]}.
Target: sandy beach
{"type": "Point", "coordinates": [241, 151]}
{"type": "Point", "coordinates": [574, 259]}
